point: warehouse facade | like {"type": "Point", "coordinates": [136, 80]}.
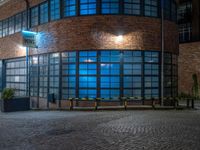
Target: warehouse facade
{"type": "Point", "coordinates": [89, 49]}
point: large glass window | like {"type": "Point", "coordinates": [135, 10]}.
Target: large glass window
{"type": "Point", "coordinates": [16, 76]}
{"type": "Point", "coordinates": [87, 7]}
{"type": "Point", "coordinates": [132, 7]}
{"type": "Point", "coordinates": [110, 74]}
{"type": "Point", "coordinates": [34, 76]}
{"type": "Point", "coordinates": [43, 75]}
{"type": "Point", "coordinates": [11, 25]}
{"type": "Point", "coordinates": [54, 9]}
{"type": "Point", "coordinates": [54, 74]}
{"type": "Point", "coordinates": [18, 22]}
{"type": "Point", "coordinates": [132, 70]}
{"type": "Point", "coordinates": [151, 8]}
{"type": "Point", "coordinates": [34, 16]}
{"type": "Point", "coordinates": [44, 14]}
{"type": "Point", "coordinates": [110, 6]}
{"type": "Point", "coordinates": [88, 74]}
{"type": "Point", "coordinates": [68, 75]}
{"type": "Point", "coordinates": [151, 75]}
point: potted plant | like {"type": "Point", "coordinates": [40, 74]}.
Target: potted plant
{"type": "Point", "coordinates": [11, 103]}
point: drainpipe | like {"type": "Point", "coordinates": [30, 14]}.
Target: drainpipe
{"type": "Point", "coordinates": [162, 52]}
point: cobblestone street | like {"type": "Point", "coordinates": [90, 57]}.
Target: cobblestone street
{"type": "Point", "coordinates": [106, 130]}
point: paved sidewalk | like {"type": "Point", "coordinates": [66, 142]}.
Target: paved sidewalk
{"type": "Point", "coordinates": [101, 130]}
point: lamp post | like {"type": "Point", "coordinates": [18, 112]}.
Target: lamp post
{"type": "Point", "coordinates": [162, 52]}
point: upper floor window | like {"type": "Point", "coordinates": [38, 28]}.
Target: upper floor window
{"type": "Point", "coordinates": [34, 16]}
{"type": "Point", "coordinates": [151, 8]}
{"type": "Point", "coordinates": [110, 6]}
{"type": "Point", "coordinates": [185, 32]}
{"type": "Point", "coordinates": [11, 25]}
{"type": "Point", "coordinates": [24, 18]}
{"type": "Point", "coordinates": [184, 12]}
{"type": "Point", "coordinates": [167, 9]}
{"type": "Point", "coordinates": [54, 9]}
{"type": "Point", "coordinates": [174, 11]}
{"type": "Point", "coordinates": [44, 17]}
{"type": "Point", "coordinates": [5, 27]}
{"type": "Point", "coordinates": [69, 8]}
{"type": "Point", "coordinates": [132, 7]}
{"type": "Point", "coordinates": [18, 22]}
{"type": "Point", "coordinates": [87, 7]}
{"type": "Point", "coordinates": [0, 29]}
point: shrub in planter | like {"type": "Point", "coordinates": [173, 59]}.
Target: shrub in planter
{"type": "Point", "coordinates": [8, 94]}
{"type": "Point", "coordinates": [10, 103]}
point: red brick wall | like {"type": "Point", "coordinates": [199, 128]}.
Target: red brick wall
{"type": "Point", "coordinates": [90, 32]}
{"type": "Point", "coordinates": [189, 63]}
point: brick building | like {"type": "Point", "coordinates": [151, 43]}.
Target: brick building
{"type": "Point", "coordinates": [189, 36]}
{"type": "Point", "coordinates": [88, 49]}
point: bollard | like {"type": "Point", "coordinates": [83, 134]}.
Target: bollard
{"type": "Point", "coordinates": [153, 103]}
{"type": "Point", "coordinates": [188, 103]}
{"type": "Point", "coordinates": [192, 103]}
{"type": "Point", "coordinates": [125, 104]}
{"type": "Point", "coordinates": [71, 104]}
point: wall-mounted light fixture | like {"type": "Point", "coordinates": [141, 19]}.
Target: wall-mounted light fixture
{"type": "Point", "coordinates": [119, 39]}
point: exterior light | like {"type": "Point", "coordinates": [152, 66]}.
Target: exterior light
{"type": "Point", "coordinates": [119, 39]}
{"type": "Point", "coordinates": [88, 60]}
{"type": "Point", "coordinates": [21, 47]}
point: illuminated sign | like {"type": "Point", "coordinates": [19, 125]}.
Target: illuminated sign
{"type": "Point", "coordinates": [29, 39]}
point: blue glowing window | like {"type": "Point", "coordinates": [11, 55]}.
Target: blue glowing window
{"type": "Point", "coordinates": [151, 82]}
{"type": "Point", "coordinates": [87, 93]}
{"type": "Point", "coordinates": [110, 69]}
{"type": "Point", "coordinates": [87, 7]}
{"type": "Point", "coordinates": [110, 6]}
{"type": "Point", "coordinates": [132, 56]}
{"type": "Point", "coordinates": [69, 57]}
{"type": "Point", "coordinates": [87, 69]}
{"type": "Point", "coordinates": [110, 93]}
{"type": "Point", "coordinates": [151, 8]}
{"type": "Point", "coordinates": [110, 56]}
{"type": "Point", "coordinates": [110, 82]}
{"type": "Point", "coordinates": [132, 7]}
{"type": "Point", "coordinates": [151, 57]}
{"type": "Point", "coordinates": [132, 69]}
{"type": "Point", "coordinates": [133, 93]}
{"type": "Point", "coordinates": [151, 69]}
{"type": "Point", "coordinates": [34, 16]}
{"type": "Point", "coordinates": [132, 82]}
{"type": "Point", "coordinates": [87, 82]}
{"type": "Point", "coordinates": [44, 17]}
{"type": "Point", "coordinates": [88, 56]}
{"type": "Point", "coordinates": [18, 22]}
{"type": "Point", "coordinates": [69, 8]}
{"type": "Point", "coordinates": [54, 9]}
{"type": "Point", "coordinates": [5, 27]}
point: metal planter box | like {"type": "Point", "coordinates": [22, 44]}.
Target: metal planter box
{"type": "Point", "coordinates": [15, 104]}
